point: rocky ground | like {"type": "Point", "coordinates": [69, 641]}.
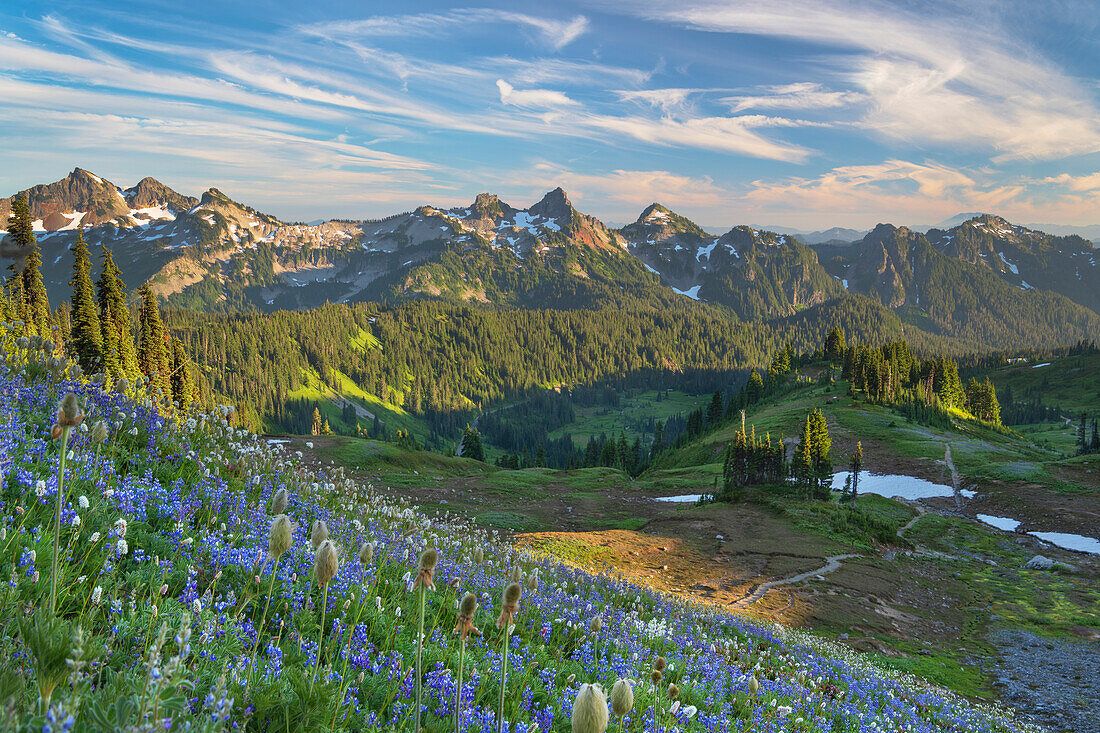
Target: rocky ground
{"type": "Point", "coordinates": [1053, 682]}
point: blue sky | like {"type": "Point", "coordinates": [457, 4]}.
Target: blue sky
{"type": "Point", "coordinates": [804, 113]}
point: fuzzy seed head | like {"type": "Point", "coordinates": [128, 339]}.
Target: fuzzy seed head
{"type": "Point", "coordinates": [318, 533]}
{"type": "Point", "coordinates": [597, 624]}
{"type": "Point", "coordinates": [69, 413]}
{"type": "Point", "coordinates": [325, 563]}
{"type": "Point", "coordinates": [660, 664]}
{"type": "Point", "coordinates": [366, 553]}
{"type": "Point", "coordinates": [479, 555]}
{"type": "Point", "coordinates": [122, 385]}
{"type": "Point", "coordinates": [673, 692]}
{"type": "Point", "coordinates": [280, 536]}
{"type": "Point", "coordinates": [655, 676]}
{"type": "Point", "coordinates": [426, 572]}
{"type": "Point", "coordinates": [99, 433]}
{"type": "Point", "coordinates": [754, 686]}
{"type": "Point", "coordinates": [622, 698]}
{"type": "Point", "coordinates": [517, 574]}
{"type": "Point", "coordinates": [509, 605]}
{"type": "Point", "coordinates": [278, 504]}
{"type": "Point", "coordinates": [590, 710]}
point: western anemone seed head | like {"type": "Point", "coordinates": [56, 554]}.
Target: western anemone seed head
{"type": "Point", "coordinates": [99, 433]}
{"type": "Point", "coordinates": [754, 686]}
{"type": "Point", "coordinates": [69, 414]}
{"type": "Point", "coordinates": [479, 555]}
{"type": "Point", "coordinates": [467, 607]}
{"type": "Point", "coordinates": [427, 569]}
{"type": "Point", "coordinates": [673, 691]}
{"type": "Point", "coordinates": [660, 664]}
{"type": "Point", "coordinates": [366, 553]}
{"type": "Point", "coordinates": [325, 563]}
{"type": "Point", "coordinates": [280, 536]}
{"type": "Point", "coordinates": [510, 605]}
{"type": "Point", "coordinates": [122, 385]}
{"type": "Point", "coordinates": [590, 710]}
{"type": "Point", "coordinates": [596, 624]}
{"type": "Point", "coordinates": [318, 533]}
{"type": "Point", "coordinates": [622, 698]}
{"type": "Point", "coordinates": [655, 676]}
{"type": "Point", "coordinates": [517, 574]}
{"type": "Point", "coordinates": [278, 504]}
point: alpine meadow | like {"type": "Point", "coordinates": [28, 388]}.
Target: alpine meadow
{"type": "Point", "coordinates": [576, 367]}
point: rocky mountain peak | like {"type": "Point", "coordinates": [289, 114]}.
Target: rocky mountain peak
{"type": "Point", "coordinates": [149, 192]}
{"type": "Point", "coordinates": [554, 205]}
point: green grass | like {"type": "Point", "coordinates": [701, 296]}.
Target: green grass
{"type": "Point", "coordinates": [387, 458]}
{"type": "Point", "coordinates": [1071, 382]}
{"type": "Point", "coordinates": [633, 408]}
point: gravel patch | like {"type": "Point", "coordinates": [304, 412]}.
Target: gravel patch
{"type": "Point", "coordinates": [1053, 682]}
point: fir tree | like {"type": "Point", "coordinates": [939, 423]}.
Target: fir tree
{"type": "Point", "coordinates": [803, 457]}
{"type": "Point", "coordinates": [834, 344]}
{"type": "Point", "coordinates": [87, 337]}
{"type": "Point", "coordinates": [471, 444]}
{"type": "Point", "coordinates": [316, 426]}
{"type": "Point", "coordinates": [183, 389]}
{"type": "Point", "coordinates": [29, 295]}
{"type": "Point", "coordinates": [153, 346]}
{"type": "Point", "coordinates": [119, 352]}
{"type": "Point", "coordinates": [714, 411]}
{"type": "Point", "coordinates": [855, 465]}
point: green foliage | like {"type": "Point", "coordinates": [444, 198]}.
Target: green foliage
{"type": "Point", "coordinates": [87, 336]}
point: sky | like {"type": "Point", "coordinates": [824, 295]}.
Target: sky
{"type": "Point", "coordinates": [801, 113]}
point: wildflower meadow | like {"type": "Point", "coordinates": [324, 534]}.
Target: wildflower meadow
{"type": "Point", "coordinates": [167, 571]}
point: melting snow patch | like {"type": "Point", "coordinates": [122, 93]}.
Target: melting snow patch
{"type": "Point", "coordinates": [681, 499]}
{"type": "Point", "coordinates": [1008, 525]}
{"type": "Point", "coordinates": [1045, 363]}
{"type": "Point", "coordinates": [706, 250]}
{"type": "Point", "coordinates": [692, 292]}
{"type": "Point", "coordinates": [1076, 542]}
{"type": "Point", "coordinates": [1015, 270]}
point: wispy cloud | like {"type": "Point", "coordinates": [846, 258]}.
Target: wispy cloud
{"type": "Point", "coordinates": [532, 98]}
{"type": "Point", "coordinates": [934, 72]}
{"type": "Point", "coordinates": [799, 95]}
{"type": "Point", "coordinates": [553, 32]}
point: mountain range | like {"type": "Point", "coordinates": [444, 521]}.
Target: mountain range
{"type": "Point", "coordinates": [982, 278]}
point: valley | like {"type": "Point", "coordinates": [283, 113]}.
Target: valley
{"type": "Point", "coordinates": [936, 596]}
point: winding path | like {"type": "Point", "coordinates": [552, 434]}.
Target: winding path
{"type": "Point", "coordinates": [832, 564]}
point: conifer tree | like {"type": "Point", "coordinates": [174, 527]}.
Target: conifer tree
{"type": "Point", "coordinates": [855, 465]}
{"type": "Point", "coordinates": [119, 350]}
{"type": "Point", "coordinates": [183, 389]}
{"type": "Point", "coordinates": [820, 445]}
{"type": "Point", "coordinates": [30, 295]}
{"type": "Point", "coordinates": [471, 444]}
{"type": "Point", "coordinates": [316, 426]}
{"type": "Point", "coordinates": [87, 337]}
{"type": "Point", "coordinates": [834, 344]}
{"type": "Point", "coordinates": [153, 345]}
{"type": "Point", "coordinates": [803, 457]}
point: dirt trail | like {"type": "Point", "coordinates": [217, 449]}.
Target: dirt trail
{"type": "Point", "coordinates": [832, 564]}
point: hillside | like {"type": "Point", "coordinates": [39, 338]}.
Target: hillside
{"type": "Point", "coordinates": [179, 544]}
{"type": "Point", "coordinates": [941, 294]}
